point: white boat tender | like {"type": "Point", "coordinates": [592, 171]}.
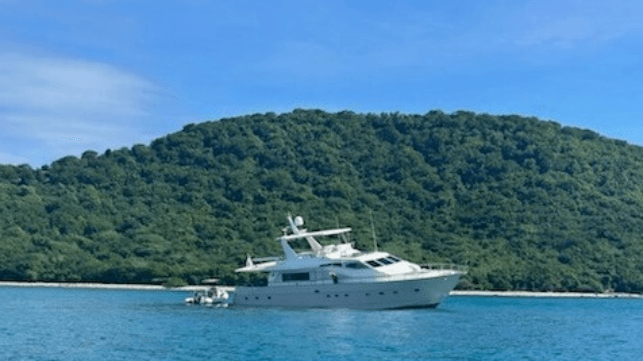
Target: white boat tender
{"type": "Point", "coordinates": [340, 276]}
{"type": "Point", "coordinates": [213, 296]}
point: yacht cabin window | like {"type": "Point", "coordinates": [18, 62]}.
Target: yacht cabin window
{"type": "Point", "coordinates": [291, 277]}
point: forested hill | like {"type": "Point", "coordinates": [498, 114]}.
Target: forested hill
{"type": "Point", "coordinates": [527, 204]}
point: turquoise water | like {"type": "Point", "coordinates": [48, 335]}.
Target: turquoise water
{"type": "Point", "coordinates": [76, 324]}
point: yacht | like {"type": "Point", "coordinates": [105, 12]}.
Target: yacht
{"type": "Point", "coordinates": [340, 276]}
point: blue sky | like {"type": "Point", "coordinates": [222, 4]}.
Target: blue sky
{"type": "Point", "coordinates": [92, 75]}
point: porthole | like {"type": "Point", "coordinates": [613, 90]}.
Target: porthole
{"type": "Point", "coordinates": [256, 298]}
{"type": "Point", "coordinates": [327, 296]}
{"type": "Point", "coordinates": [346, 295]}
{"type": "Point", "coordinates": [316, 291]}
{"type": "Point", "coordinates": [336, 295]}
{"type": "Point", "coordinates": [382, 293]}
{"type": "Point", "coordinates": [246, 298]}
{"type": "Point", "coordinates": [395, 292]}
{"type": "Point", "coordinates": [368, 294]}
{"type": "Point", "coordinates": [270, 297]}
{"type": "Point", "coordinates": [417, 290]}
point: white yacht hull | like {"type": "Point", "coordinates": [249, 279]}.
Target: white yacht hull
{"type": "Point", "coordinates": [421, 291]}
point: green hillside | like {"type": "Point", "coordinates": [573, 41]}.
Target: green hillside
{"type": "Point", "coordinates": [525, 203]}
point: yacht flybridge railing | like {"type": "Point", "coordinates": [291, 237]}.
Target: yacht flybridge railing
{"type": "Point", "coordinates": [445, 266]}
{"type": "Point", "coordinates": [330, 232]}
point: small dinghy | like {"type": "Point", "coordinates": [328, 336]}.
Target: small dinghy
{"type": "Point", "coordinates": [212, 296]}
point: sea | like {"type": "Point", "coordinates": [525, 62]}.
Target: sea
{"type": "Point", "coordinates": [94, 324]}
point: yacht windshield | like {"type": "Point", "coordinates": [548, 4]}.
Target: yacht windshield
{"type": "Point", "coordinates": [355, 265]}
{"type": "Point", "coordinates": [383, 261]}
{"type": "Point", "coordinates": [374, 263]}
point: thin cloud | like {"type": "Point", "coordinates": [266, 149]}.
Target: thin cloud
{"type": "Point", "coordinates": [571, 31]}
{"type": "Point", "coordinates": [62, 84]}
{"type": "Point", "coordinates": [432, 37]}
{"type": "Point", "coordinates": [569, 24]}
{"type": "Point", "coordinates": [44, 101]}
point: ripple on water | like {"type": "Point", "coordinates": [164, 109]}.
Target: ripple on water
{"type": "Point", "coordinates": [76, 324]}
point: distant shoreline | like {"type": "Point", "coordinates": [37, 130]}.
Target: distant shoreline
{"type": "Point", "coordinates": [530, 294]}
{"type": "Point", "coordinates": [103, 286]}
{"type": "Point", "coordinates": [146, 287]}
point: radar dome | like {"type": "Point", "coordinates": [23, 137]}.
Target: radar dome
{"type": "Point", "coordinates": [299, 221]}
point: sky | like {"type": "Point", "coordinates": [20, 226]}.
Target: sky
{"type": "Point", "coordinates": [96, 75]}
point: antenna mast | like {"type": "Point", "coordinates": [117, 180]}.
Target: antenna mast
{"type": "Point", "coordinates": [373, 229]}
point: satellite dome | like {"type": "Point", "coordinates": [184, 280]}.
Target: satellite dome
{"type": "Point", "coordinates": [299, 221]}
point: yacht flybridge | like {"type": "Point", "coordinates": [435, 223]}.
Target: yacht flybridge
{"type": "Point", "coordinates": [338, 275]}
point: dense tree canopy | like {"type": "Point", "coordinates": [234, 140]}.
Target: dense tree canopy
{"type": "Point", "coordinates": [525, 203]}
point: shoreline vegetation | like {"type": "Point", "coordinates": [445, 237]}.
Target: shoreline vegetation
{"type": "Point", "coordinates": [458, 293]}
{"type": "Point", "coordinates": [525, 204]}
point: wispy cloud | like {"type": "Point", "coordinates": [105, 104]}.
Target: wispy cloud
{"type": "Point", "coordinates": [570, 31]}
{"type": "Point", "coordinates": [382, 37]}
{"type": "Point", "coordinates": [63, 84]}
{"type": "Point", "coordinates": [43, 101]}
{"type": "Point", "coordinates": [572, 23]}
